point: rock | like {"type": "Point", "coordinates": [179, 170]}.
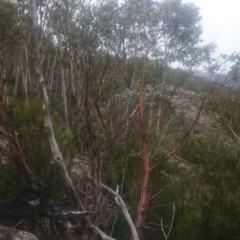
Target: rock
{"type": "Point", "coordinates": [7, 233]}
{"type": "Point", "coordinates": [80, 167]}
{"type": "Point", "coordinates": [5, 152]}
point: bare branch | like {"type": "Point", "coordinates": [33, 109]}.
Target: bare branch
{"type": "Point", "coordinates": [170, 229]}
{"type": "Point", "coordinates": [100, 233]}
{"type": "Point", "coordinates": [235, 135]}
{"type": "Point", "coordinates": [185, 136]}
{"type": "Point", "coordinates": [119, 201]}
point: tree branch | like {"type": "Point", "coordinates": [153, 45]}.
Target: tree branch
{"type": "Point", "coordinates": [235, 135]}
{"type": "Point", "coordinates": [119, 201]}
{"type": "Point", "coordinates": [170, 229]}
{"type": "Point", "coordinates": [100, 233]}
{"type": "Point", "coordinates": [185, 136]}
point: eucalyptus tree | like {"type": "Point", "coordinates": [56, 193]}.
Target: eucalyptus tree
{"type": "Point", "coordinates": [167, 31]}
{"type": "Point", "coordinates": [103, 41]}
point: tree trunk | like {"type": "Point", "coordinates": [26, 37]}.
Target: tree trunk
{"type": "Point", "coordinates": [28, 74]}
{"type": "Point", "coordinates": [63, 84]}
{"type": "Point", "coordinates": [57, 155]}
{"type": "Point", "coordinates": [52, 72]}
{"type": "Point", "coordinates": [162, 87]}
{"type": "Point", "coordinates": [17, 69]}
{"type": "Point", "coordinates": [96, 162]}
{"type": "Point", "coordinates": [146, 160]}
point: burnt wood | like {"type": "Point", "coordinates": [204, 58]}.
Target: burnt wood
{"type": "Point", "coordinates": [35, 199]}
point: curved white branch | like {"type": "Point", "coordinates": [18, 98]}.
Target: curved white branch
{"type": "Point", "coordinates": [170, 229]}
{"type": "Point", "coordinates": [119, 201]}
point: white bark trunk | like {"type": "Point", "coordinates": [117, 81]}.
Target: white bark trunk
{"type": "Point", "coordinates": [63, 84]}
{"type": "Point", "coordinates": [57, 155]}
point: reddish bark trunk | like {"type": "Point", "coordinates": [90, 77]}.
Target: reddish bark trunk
{"type": "Point", "coordinates": [146, 168]}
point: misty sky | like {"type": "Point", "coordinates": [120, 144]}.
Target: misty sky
{"type": "Point", "coordinates": [221, 23]}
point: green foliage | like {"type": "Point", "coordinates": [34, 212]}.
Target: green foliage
{"type": "Point", "coordinates": [11, 180]}
{"type": "Point", "coordinates": [28, 119]}
{"type": "Point", "coordinates": [121, 228]}
{"type": "Point", "coordinates": [12, 30]}
{"type": "Point", "coordinates": [226, 108]}
{"type": "Point", "coordinates": [214, 205]}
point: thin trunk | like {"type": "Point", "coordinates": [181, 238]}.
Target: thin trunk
{"type": "Point", "coordinates": [17, 67]}
{"type": "Point", "coordinates": [63, 80]}
{"type": "Point", "coordinates": [47, 74]}
{"type": "Point", "coordinates": [63, 84]}
{"type": "Point", "coordinates": [160, 105]}
{"type": "Point", "coordinates": [72, 77]}
{"type": "Point", "coordinates": [96, 163]}
{"type": "Point", "coordinates": [162, 87]}
{"type": "Point", "coordinates": [21, 158]}
{"type": "Point", "coordinates": [150, 118]}
{"type": "Point", "coordinates": [52, 72]}
{"type": "Point", "coordinates": [73, 85]}
{"type": "Point", "coordinates": [120, 85]}
{"type": "Point", "coordinates": [142, 206]}
{"type": "Point", "coordinates": [76, 76]}
{"type": "Point", "coordinates": [25, 76]}
{"type": "Point", "coordinates": [28, 74]}
{"type": "Point", "coordinates": [132, 79]}
{"type": "Point", "coordinates": [57, 155]}
{"type": "Point", "coordinates": [112, 113]}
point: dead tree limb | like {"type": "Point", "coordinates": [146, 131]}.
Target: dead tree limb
{"type": "Point", "coordinates": [119, 201]}
{"type": "Point", "coordinates": [166, 235]}
{"type": "Point", "coordinates": [100, 233]}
